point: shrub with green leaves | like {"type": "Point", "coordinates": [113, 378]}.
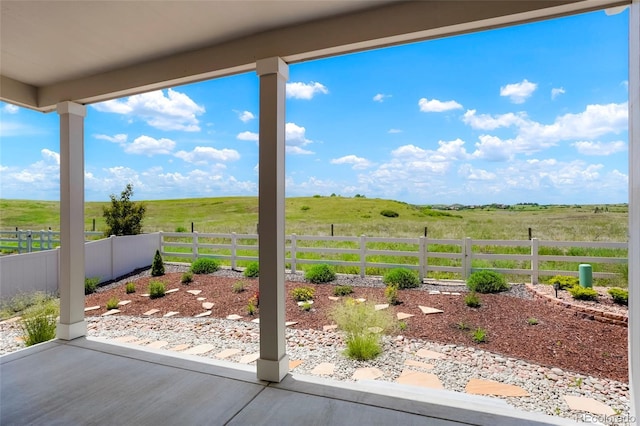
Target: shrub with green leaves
{"type": "Point", "coordinates": [619, 295]}
{"type": "Point", "coordinates": [401, 278]}
{"type": "Point", "coordinates": [186, 278]}
{"type": "Point", "coordinates": [319, 274]}
{"type": "Point", "coordinates": [252, 271]}
{"type": "Point", "coordinates": [564, 282]}
{"type": "Point", "coordinates": [342, 290]}
{"type": "Point", "coordinates": [39, 322]}
{"type": "Point", "coordinates": [472, 300]}
{"type": "Point", "coordinates": [583, 293]}
{"type": "Point", "coordinates": [306, 306]}
{"type": "Point", "coordinates": [486, 281]}
{"type": "Point", "coordinates": [112, 303]}
{"type": "Point", "coordinates": [130, 288]}
{"type": "Point", "coordinates": [479, 335]}
{"type": "Point", "coordinates": [157, 267]}
{"type": "Point", "coordinates": [301, 294]}
{"type": "Point", "coordinates": [90, 285]}
{"type": "Point", "coordinates": [157, 289]}
{"type": "Point", "coordinates": [363, 326]}
{"type": "Point", "coordinates": [389, 213]}
{"type": "Point", "coordinates": [205, 265]}
{"type": "Point", "coordinates": [391, 293]}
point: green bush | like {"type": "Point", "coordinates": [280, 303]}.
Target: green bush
{"type": "Point", "coordinates": [342, 290]}
{"type": "Point", "coordinates": [130, 288]}
{"type": "Point", "coordinates": [318, 274]}
{"type": "Point", "coordinates": [251, 307]}
{"type": "Point", "coordinates": [301, 294]}
{"type": "Point", "coordinates": [391, 293]}
{"type": "Point", "coordinates": [187, 277]}
{"type": "Point", "coordinates": [472, 300]}
{"type": "Point", "coordinates": [564, 282]}
{"type": "Point", "coordinates": [156, 289]}
{"type": "Point", "coordinates": [238, 287]}
{"type": "Point", "coordinates": [305, 208]}
{"type": "Point", "coordinates": [306, 306]}
{"type": "Point", "coordinates": [181, 229]}
{"type": "Point", "coordinates": [205, 265]}
{"type": "Point", "coordinates": [583, 293]}
{"type": "Point", "coordinates": [90, 285]}
{"type": "Point", "coordinates": [401, 278]}
{"type": "Point", "coordinates": [487, 282]}
{"type": "Point", "coordinates": [39, 322]}
{"type": "Point", "coordinates": [389, 213]}
{"type": "Point", "coordinates": [252, 271]}
{"type": "Point", "coordinates": [620, 296]}
{"type": "Point", "coordinates": [157, 267]}
{"type": "Point", "coordinates": [479, 335]}
{"type": "Point", "coordinates": [112, 303]}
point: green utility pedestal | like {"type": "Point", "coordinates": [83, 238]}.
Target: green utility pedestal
{"type": "Point", "coordinates": [586, 275]}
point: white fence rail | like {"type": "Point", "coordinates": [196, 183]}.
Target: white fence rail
{"type": "Point", "coordinates": [29, 241]}
{"type": "Point", "coordinates": [421, 252]}
{"type": "Point", "coordinates": [106, 259]}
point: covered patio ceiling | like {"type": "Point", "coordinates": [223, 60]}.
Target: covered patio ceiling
{"type": "Point", "coordinates": [91, 51]}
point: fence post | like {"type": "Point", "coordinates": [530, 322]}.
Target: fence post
{"type": "Point", "coordinates": [534, 261]}
{"type": "Point", "coordinates": [49, 239]}
{"type": "Point", "coordinates": [363, 255]}
{"type": "Point", "coordinates": [194, 250]}
{"type": "Point", "coordinates": [294, 245]}
{"type": "Point", "coordinates": [29, 241]}
{"type": "Point", "coordinates": [42, 240]}
{"type": "Point", "coordinates": [467, 250]}
{"type": "Point", "coordinates": [233, 251]}
{"type": "Point", "coordinates": [423, 258]}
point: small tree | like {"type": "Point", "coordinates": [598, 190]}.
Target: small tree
{"type": "Point", "coordinates": [123, 216]}
{"type": "Point", "coordinates": [157, 267]}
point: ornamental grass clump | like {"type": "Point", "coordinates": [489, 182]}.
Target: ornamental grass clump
{"type": "Point", "coordinates": [401, 278]}
{"type": "Point", "coordinates": [391, 293]}
{"type": "Point", "coordinates": [342, 290]}
{"type": "Point", "coordinates": [186, 278]}
{"type": "Point", "coordinates": [205, 265]}
{"type": "Point", "coordinates": [130, 288]}
{"type": "Point", "coordinates": [90, 285]}
{"type": "Point", "coordinates": [472, 300]}
{"type": "Point", "coordinates": [487, 282]}
{"type": "Point", "coordinates": [319, 274]}
{"type": "Point", "coordinates": [157, 289]}
{"type": "Point", "coordinates": [363, 327]}
{"type": "Point", "coordinates": [39, 322]}
{"type": "Point", "coordinates": [620, 296]}
{"type": "Point", "coordinates": [112, 303]}
{"type": "Point", "coordinates": [252, 271]}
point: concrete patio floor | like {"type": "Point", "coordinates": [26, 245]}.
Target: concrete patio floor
{"type": "Point", "coordinates": [87, 382]}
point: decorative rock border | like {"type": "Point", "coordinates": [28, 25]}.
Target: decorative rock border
{"type": "Point", "coordinates": [581, 311]}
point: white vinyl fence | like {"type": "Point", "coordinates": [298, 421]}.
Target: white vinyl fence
{"type": "Point", "coordinates": [29, 241]}
{"type": "Point", "coordinates": [106, 259]}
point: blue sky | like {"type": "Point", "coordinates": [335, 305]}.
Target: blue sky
{"type": "Point", "coordinates": [533, 113]}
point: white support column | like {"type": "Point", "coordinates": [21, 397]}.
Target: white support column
{"type": "Point", "coordinates": [273, 363]}
{"type": "Point", "coordinates": [634, 207]}
{"type": "Point", "coordinates": [71, 283]}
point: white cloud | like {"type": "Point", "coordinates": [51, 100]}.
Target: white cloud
{"type": "Point", "coordinates": [298, 90]}
{"type": "Point", "coordinates": [120, 138]}
{"type": "Point", "coordinates": [489, 122]}
{"type": "Point", "coordinates": [380, 97]}
{"type": "Point", "coordinates": [10, 109]}
{"type": "Point", "coordinates": [492, 148]}
{"type": "Point", "coordinates": [246, 116]}
{"type": "Point", "coordinates": [146, 145]}
{"type": "Point", "coordinates": [176, 111]}
{"type": "Point", "coordinates": [248, 136]}
{"type": "Point", "coordinates": [392, 131]}
{"type": "Point", "coordinates": [358, 163]}
{"type": "Point", "coordinates": [518, 92]}
{"type": "Point", "coordinates": [599, 148]}
{"type": "Point", "coordinates": [47, 154]}
{"type": "Point", "coordinates": [556, 91]}
{"type": "Point", "coordinates": [205, 154]}
{"type": "Point", "coordinates": [468, 172]}
{"type": "Point", "coordinates": [297, 150]}
{"type": "Point", "coordinates": [435, 105]}
{"type": "Point", "coordinates": [295, 139]}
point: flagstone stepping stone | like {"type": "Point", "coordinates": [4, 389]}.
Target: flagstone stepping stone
{"type": "Point", "coordinates": [381, 306]}
{"type": "Point", "coordinates": [111, 312]}
{"type": "Point", "coordinates": [334, 298]}
{"type": "Point", "coordinates": [426, 353]}
{"type": "Point", "coordinates": [402, 315]}
{"type": "Point", "coordinates": [170, 314]}
{"type": "Point", "coordinates": [16, 319]}
{"type": "Point", "coordinates": [367, 373]}
{"type": "Point", "coordinates": [310, 302]}
{"type": "Point", "coordinates": [201, 299]}
{"type": "Point", "coordinates": [419, 364]}
{"type": "Point", "coordinates": [124, 302]}
{"type": "Point", "coordinates": [247, 359]}
{"type": "Point", "coordinates": [427, 310]}
{"type": "Point", "coordinates": [234, 317]}
{"type": "Point", "coordinates": [434, 291]}
{"type": "Point", "coordinates": [180, 348]}
{"type": "Point", "coordinates": [446, 292]}
{"type": "Point", "coordinates": [288, 323]}
{"type": "Point", "coordinates": [323, 369]}
{"type": "Point", "coordinates": [257, 320]}
{"type": "Point", "coordinates": [151, 312]}
{"type": "Point", "coordinates": [490, 387]}
{"type": "Point", "coordinates": [140, 342]}
{"type": "Point", "coordinates": [173, 290]}
{"type": "Point", "coordinates": [207, 305]}
{"type": "Point", "coordinates": [202, 314]}
{"type": "Point", "coordinates": [329, 327]}
{"type": "Point", "coordinates": [194, 292]}
{"type": "Point", "coordinates": [455, 294]}
{"type": "Point", "coordinates": [90, 308]}
{"type": "Point", "coordinates": [361, 300]}
{"type": "Point", "coordinates": [158, 344]}
{"type": "Point", "coordinates": [581, 403]}
{"type": "Point", "coordinates": [125, 339]}
{"type": "Point", "coordinates": [294, 363]}
{"type": "Point", "coordinates": [145, 295]}
{"type": "Point", "coordinates": [200, 349]}
{"type": "Point", "coordinates": [418, 378]}
{"type": "Point", "coordinates": [227, 353]}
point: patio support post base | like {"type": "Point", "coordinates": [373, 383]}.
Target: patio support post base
{"type": "Point", "coordinates": [273, 371]}
{"type": "Point", "coordinates": [71, 331]}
